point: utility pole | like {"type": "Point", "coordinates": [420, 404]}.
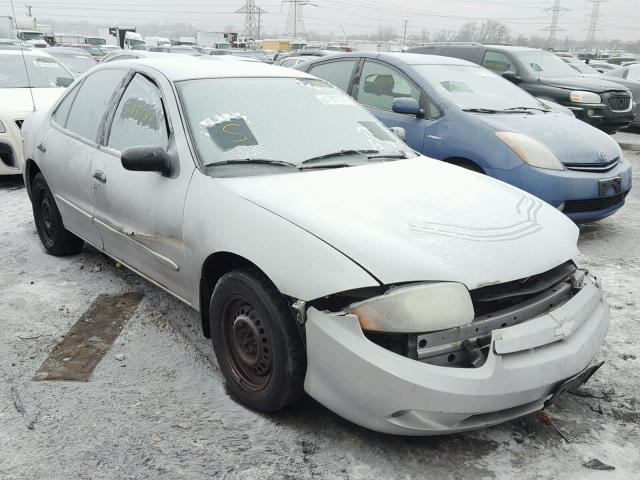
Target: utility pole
{"type": "Point", "coordinates": [404, 35]}
{"type": "Point", "coordinates": [554, 28]}
{"type": "Point", "coordinates": [28, 7]}
{"type": "Point", "coordinates": [593, 21]}
{"type": "Point", "coordinates": [295, 19]}
{"type": "Point", "coordinates": [251, 19]}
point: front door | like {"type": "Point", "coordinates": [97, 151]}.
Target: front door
{"type": "Point", "coordinates": [140, 214]}
{"type": "Point", "coordinates": [378, 86]}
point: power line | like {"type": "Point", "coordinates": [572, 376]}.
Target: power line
{"type": "Point", "coordinates": [251, 19]}
{"type": "Point", "coordinates": [295, 19]}
{"type": "Point", "coordinates": [593, 21]}
{"type": "Point", "coordinates": [554, 28]}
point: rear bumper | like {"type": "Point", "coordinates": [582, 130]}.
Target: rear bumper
{"type": "Point", "coordinates": [386, 392]}
{"type": "Point", "coordinates": [567, 187]}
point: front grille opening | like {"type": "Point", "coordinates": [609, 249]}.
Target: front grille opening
{"type": "Point", "coordinates": [496, 306]}
{"type": "Point", "coordinates": [591, 204]}
{"type": "Point", "coordinates": [6, 156]}
{"type": "Point", "coordinates": [593, 167]}
{"type": "Point", "coordinates": [619, 103]}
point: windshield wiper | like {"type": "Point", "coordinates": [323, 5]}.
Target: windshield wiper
{"type": "Point", "coordinates": [529, 108]}
{"type": "Point", "coordinates": [341, 153]}
{"type": "Point", "coordinates": [368, 154]}
{"type": "Point", "coordinates": [506, 110]}
{"type": "Point", "coordinates": [254, 161]}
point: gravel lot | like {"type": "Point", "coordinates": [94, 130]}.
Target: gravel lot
{"type": "Point", "coordinates": [162, 412]}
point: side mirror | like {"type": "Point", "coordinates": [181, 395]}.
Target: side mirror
{"type": "Point", "coordinates": [511, 76]}
{"type": "Point", "coordinates": [399, 132]}
{"type": "Point", "coordinates": [147, 159]}
{"type": "Point", "coordinates": [407, 106]}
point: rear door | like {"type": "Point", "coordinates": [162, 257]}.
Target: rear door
{"type": "Point", "coordinates": [140, 214]}
{"type": "Point", "coordinates": [377, 86]}
{"type": "Point", "coordinates": [71, 145]}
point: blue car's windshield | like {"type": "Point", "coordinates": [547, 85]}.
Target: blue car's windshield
{"type": "Point", "coordinates": [474, 87]}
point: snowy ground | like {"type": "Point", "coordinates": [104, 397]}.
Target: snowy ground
{"type": "Point", "coordinates": [163, 412]}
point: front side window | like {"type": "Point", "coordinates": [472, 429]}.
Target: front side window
{"type": "Point", "coordinates": [287, 120]}
{"type": "Point", "coordinates": [381, 85]}
{"type": "Point", "coordinates": [338, 73]}
{"type": "Point", "coordinates": [498, 62]}
{"type": "Point", "coordinates": [43, 72]}
{"type": "Point", "coordinates": [634, 73]}
{"type": "Point", "coordinates": [92, 102]}
{"type": "Point", "coordinates": [140, 118]}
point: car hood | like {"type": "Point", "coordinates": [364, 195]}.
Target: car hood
{"type": "Point", "coordinates": [420, 219]}
{"type": "Point", "coordinates": [18, 100]}
{"type": "Point", "coordinates": [587, 145]}
{"type": "Point", "coordinates": [590, 84]}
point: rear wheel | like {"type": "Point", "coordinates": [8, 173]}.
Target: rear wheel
{"type": "Point", "coordinates": [256, 341]}
{"type": "Point", "coordinates": [54, 237]}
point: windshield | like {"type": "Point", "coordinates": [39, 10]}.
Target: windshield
{"type": "Point", "coordinates": [472, 87]}
{"type": "Point", "coordinates": [545, 64]}
{"type": "Point", "coordinates": [284, 119]}
{"type": "Point", "coordinates": [26, 36]}
{"type": "Point", "coordinates": [95, 41]}
{"type": "Point", "coordinates": [44, 72]}
{"type": "Point", "coordinates": [76, 63]}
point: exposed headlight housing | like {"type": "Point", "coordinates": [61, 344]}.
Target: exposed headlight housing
{"type": "Point", "coordinates": [578, 96]}
{"type": "Point", "coordinates": [530, 151]}
{"type": "Point", "coordinates": [424, 307]}
{"type": "Point", "coordinates": [2, 130]}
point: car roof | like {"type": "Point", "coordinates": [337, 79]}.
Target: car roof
{"type": "Point", "coordinates": [69, 51]}
{"type": "Point", "coordinates": [26, 51]}
{"type": "Point", "coordinates": [177, 68]}
{"type": "Point", "coordinates": [398, 58]}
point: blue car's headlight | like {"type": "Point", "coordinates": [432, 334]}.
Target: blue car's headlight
{"type": "Point", "coordinates": [530, 151]}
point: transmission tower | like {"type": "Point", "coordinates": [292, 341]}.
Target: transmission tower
{"type": "Point", "coordinates": [295, 19]}
{"type": "Point", "coordinates": [593, 21]}
{"type": "Point", "coordinates": [554, 28]}
{"type": "Point", "coordinates": [252, 14]}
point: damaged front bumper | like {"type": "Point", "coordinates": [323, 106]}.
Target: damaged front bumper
{"type": "Point", "coordinates": [387, 392]}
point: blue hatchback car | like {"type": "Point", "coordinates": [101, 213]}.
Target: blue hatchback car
{"type": "Point", "coordinates": [462, 113]}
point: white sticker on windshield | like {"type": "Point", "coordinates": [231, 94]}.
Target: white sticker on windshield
{"type": "Point", "coordinates": [335, 99]}
{"type": "Point", "coordinates": [44, 63]}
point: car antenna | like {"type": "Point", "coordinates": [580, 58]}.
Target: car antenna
{"type": "Point", "coordinates": [24, 60]}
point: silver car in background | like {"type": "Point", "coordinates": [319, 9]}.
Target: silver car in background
{"type": "Point", "coordinates": [407, 295]}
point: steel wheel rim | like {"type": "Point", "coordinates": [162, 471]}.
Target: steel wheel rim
{"type": "Point", "coordinates": [247, 343]}
{"type": "Point", "coordinates": [46, 216]}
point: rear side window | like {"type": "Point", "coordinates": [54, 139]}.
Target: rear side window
{"type": "Point", "coordinates": [498, 62]}
{"type": "Point", "coordinates": [92, 101]}
{"type": "Point", "coordinates": [381, 85]}
{"type": "Point", "coordinates": [338, 73]}
{"type": "Point", "coordinates": [62, 112]}
{"type": "Point", "coordinates": [140, 118]}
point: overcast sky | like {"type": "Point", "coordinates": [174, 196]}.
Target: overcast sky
{"type": "Point", "coordinates": [621, 18]}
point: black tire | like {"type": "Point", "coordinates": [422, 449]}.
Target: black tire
{"type": "Point", "coordinates": [256, 341]}
{"type": "Point", "coordinates": [54, 237]}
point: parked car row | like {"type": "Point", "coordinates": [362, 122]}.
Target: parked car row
{"type": "Point", "coordinates": [408, 295]}
{"type": "Point", "coordinates": [458, 112]}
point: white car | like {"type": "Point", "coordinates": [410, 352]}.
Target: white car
{"type": "Point", "coordinates": [405, 294]}
{"type": "Point", "coordinates": [47, 79]}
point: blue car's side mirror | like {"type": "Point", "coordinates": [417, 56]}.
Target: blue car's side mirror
{"type": "Point", "coordinates": [407, 106]}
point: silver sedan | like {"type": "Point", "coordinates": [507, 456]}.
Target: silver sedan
{"type": "Point", "coordinates": [405, 294]}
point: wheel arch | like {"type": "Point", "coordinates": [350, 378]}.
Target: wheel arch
{"type": "Point", "coordinates": [465, 163]}
{"type": "Point", "coordinates": [31, 169]}
{"type": "Point", "coordinates": [213, 268]}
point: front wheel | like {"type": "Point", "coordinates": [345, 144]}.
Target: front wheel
{"type": "Point", "coordinates": [256, 341]}
{"type": "Point", "coordinates": [54, 237]}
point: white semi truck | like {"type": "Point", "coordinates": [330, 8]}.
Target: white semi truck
{"type": "Point", "coordinates": [24, 29]}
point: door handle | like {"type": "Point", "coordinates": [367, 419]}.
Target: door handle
{"type": "Point", "coordinates": [100, 176]}
{"type": "Point", "coordinates": [41, 146]}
